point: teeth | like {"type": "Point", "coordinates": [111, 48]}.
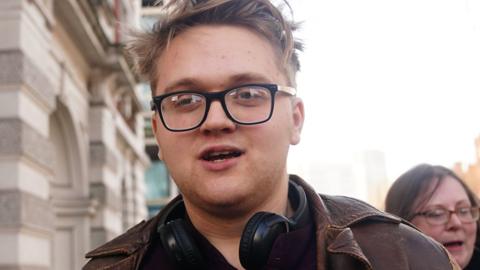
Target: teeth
{"type": "Point", "coordinates": [221, 156]}
{"type": "Point", "coordinates": [454, 243]}
{"type": "Point", "coordinates": [216, 154]}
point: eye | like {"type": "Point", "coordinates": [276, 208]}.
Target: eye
{"type": "Point", "coordinates": [250, 95]}
{"type": "Point", "coordinates": [436, 213]}
{"type": "Point", "coordinates": [464, 211]}
{"type": "Point", "coordinates": [185, 101]}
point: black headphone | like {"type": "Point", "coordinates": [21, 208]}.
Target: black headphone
{"type": "Point", "coordinates": [256, 242]}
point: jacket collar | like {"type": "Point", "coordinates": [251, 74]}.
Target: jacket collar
{"type": "Point", "coordinates": [134, 239]}
{"type": "Point", "coordinates": [332, 216]}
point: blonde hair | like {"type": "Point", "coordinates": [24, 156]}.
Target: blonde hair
{"type": "Point", "coordinates": [260, 16]}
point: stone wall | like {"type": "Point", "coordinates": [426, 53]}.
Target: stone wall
{"type": "Point", "coordinates": [71, 161]}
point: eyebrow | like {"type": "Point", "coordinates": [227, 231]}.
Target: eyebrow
{"type": "Point", "coordinates": [443, 206]}
{"type": "Point", "coordinates": [187, 83]}
{"type": "Point", "coordinates": [249, 78]}
{"type": "Point", "coordinates": [237, 79]}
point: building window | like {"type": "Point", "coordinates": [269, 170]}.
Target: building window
{"type": "Point", "coordinates": [158, 187]}
{"type": "Point", "coordinates": [149, 3]}
{"type": "Point", "coordinates": [148, 129]}
{"type": "Point", "coordinates": [158, 184]}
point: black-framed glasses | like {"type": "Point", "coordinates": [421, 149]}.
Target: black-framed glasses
{"type": "Point", "coordinates": [441, 215]}
{"type": "Point", "coordinates": [248, 104]}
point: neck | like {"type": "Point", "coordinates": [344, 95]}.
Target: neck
{"type": "Point", "coordinates": [224, 232]}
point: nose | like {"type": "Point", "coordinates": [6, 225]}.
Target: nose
{"type": "Point", "coordinates": [454, 221]}
{"type": "Point", "coordinates": [217, 120]}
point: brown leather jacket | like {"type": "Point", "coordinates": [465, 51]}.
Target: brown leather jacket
{"type": "Point", "coordinates": [350, 234]}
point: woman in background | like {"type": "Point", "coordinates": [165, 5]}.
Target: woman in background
{"type": "Point", "coordinates": [442, 206]}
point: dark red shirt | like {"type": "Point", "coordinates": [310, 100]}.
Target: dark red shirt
{"type": "Point", "coordinates": [293, 250]}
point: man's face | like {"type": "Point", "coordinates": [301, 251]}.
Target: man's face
{"type": "Point", "coordinates": [212, 59]}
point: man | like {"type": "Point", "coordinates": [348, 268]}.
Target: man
{"type": "Point", "coordinates": [222, 74]}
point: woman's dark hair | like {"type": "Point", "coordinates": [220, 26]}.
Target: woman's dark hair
{"type": "Point", "coordinates": [413, 189]}
{"type": "Point", "coordinates": [416, 187]}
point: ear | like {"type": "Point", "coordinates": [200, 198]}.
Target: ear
{"type": "Point", "coordinates": [298, 116]}
{"type": "Point", "coordinates": [155, 126]}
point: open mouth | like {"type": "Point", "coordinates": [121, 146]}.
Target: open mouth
{"type": "Point", "coordinates": [218, 156]}
{"type": "Point", "coordinates": [453, 244]}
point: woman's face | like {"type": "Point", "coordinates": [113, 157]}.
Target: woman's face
{"type": "Point", "coordinates": [457, 236]}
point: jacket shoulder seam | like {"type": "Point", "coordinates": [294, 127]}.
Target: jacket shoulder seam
{"type": "Point", "coordinates": [363, 212]}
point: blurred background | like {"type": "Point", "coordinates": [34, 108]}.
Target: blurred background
{"type": "Point", "coordinates": [386, 84]}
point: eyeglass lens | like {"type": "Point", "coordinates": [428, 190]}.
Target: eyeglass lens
{"type": "Point", "coordinates": [441, 215]}
{"type": "Point", "coordinates": [246, 105]}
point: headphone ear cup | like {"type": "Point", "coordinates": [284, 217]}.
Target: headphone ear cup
{"type": "Point", "coordinates": [176, 241]}
{"type": "Point", "coordinates": [247, 236]}
{"type": "Point", "coordinates": [258, 237]}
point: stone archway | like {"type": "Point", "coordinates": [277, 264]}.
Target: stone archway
{"type": "Point", "coordinates": [69, 193]}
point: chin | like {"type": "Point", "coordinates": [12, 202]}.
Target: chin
{"type": "Point", "coordinates": [227, 204]}
{"type": "Point", "coordinates": [462, 260]}
{"type": "Point", "coordinates": [225, 190]}
{"type": "Point", "coordinates": [226, 200]}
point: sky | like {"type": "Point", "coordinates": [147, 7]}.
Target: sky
{"type": "Point", "coordinates": [400, 77]}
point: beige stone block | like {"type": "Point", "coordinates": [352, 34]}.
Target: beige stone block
{"type": "Point", "coordinates": [63, 249]}
{"type": "Point", "coordinates": [24, 249]}
{"type": "Point", "coordinates": [19, 209]}
{"type": "Point", "coordinates": [72, 233]}
{"type": "Point", "coordinates": [9, 102]}
{"type": "Point", "coordinates": [132, 141]}
{"type": "Point", "coordinates": [19, 139]}
{"type": "Point", "coordinates": [10, 5]}
{"type": "Point", "coordinates": [75, 96]}
{"type": "Point", "coordinates": [102, 126]}
{"type": "Point", "coordinates": [104, 176]}
{"type": "Point", "coordinates": [23, 176]}
{"type": "Point", "coordinates": [10, 24]}
{"type": "Point", "coordinates": [17, 69]}
{"type": "Point", "coordinates": [100, 236]}
{"type": "Point", "coordinates": [20, 267]}
{"type": "Point", "coordinates": [16, 104]}
{"type": "Point", "coordinates": [108, 219]}
{"type": "Point", "coordinates": [101, 193]}
{"type": "Point", "coordinates": [101, 155]}
{"type": "Point", "coordinates": [35, 29]}
{"type": "Point", "coordinates": [33, 113]}
{"type": "Point", "coordinates": [10, 34]}
{"type": "Point", "coordinates": [70, 246]}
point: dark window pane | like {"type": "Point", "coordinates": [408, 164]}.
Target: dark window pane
{"type": "Point", "coordinates": [157, 180]}
{"type": "Point", "coordinates": [148, 3]}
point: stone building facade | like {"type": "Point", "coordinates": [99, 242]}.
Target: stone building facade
{"type": "Point", "coordinates": [72, 157]}
{"type": "Point", "coordinates": [160, 187]}
{"type": "Point", "coordinates": [471, 174]}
